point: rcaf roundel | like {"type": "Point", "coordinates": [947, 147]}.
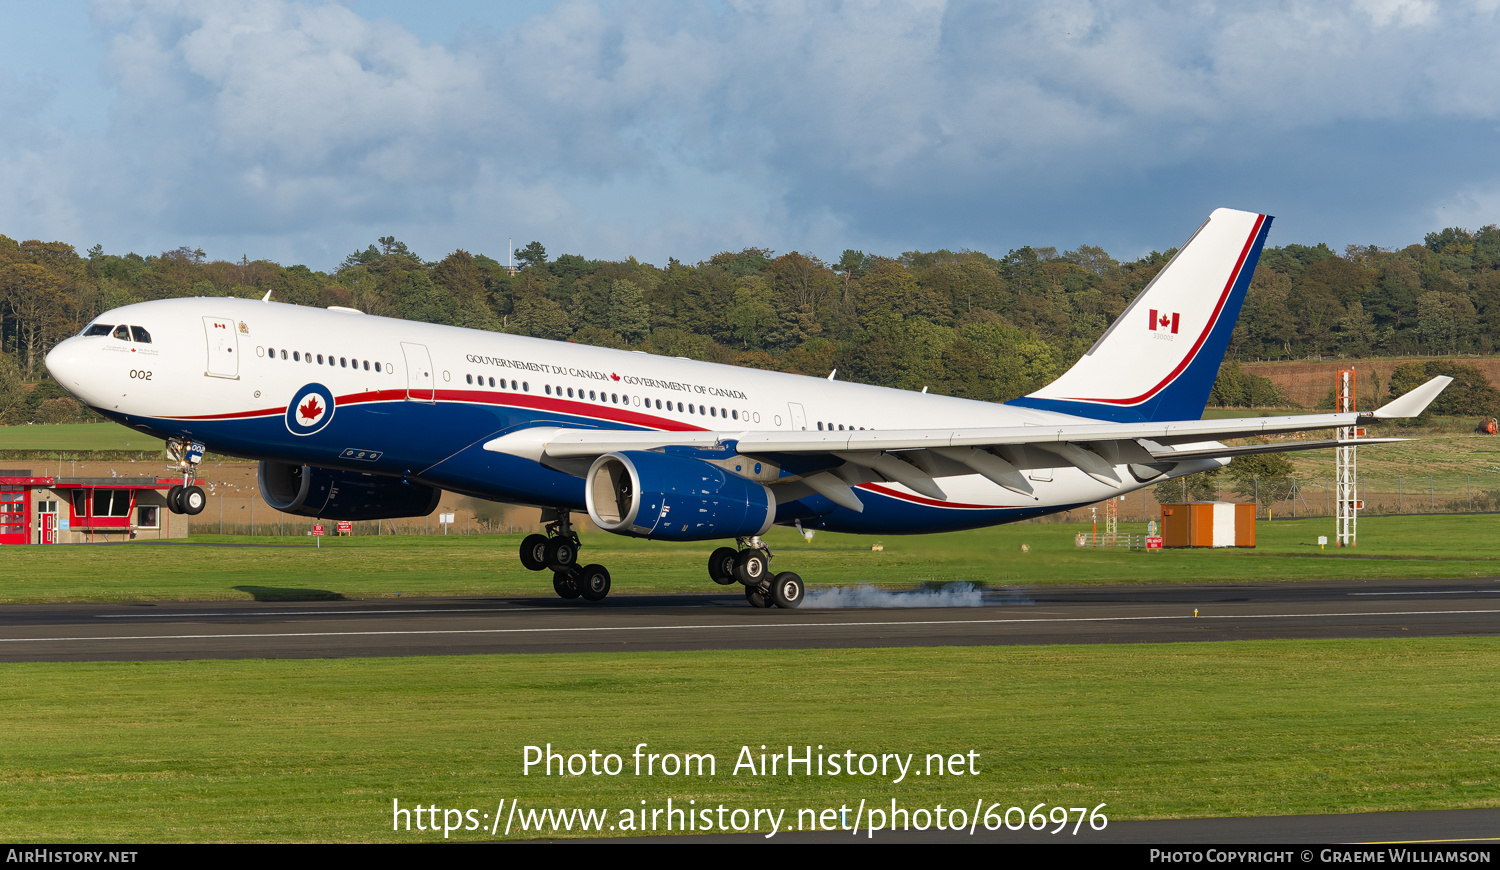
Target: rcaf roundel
{"type": "Point", "coordinates": [310, 410]}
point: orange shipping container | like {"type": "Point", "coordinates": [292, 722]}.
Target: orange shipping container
{"type": "Point", "coordinates": [1208, 524]}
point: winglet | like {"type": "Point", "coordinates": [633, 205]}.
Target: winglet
{"type": "Point", "coordinates": [1414, 402]}
{"type": "Point", "coordinates": [267, 297]}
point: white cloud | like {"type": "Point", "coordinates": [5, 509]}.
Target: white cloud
{"type": "Point", "coordinates": [300, 130]}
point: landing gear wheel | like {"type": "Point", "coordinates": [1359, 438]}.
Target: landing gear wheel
{"type": "Point", "coordinates": [752, 568]}
{"type": "Point", "coordinates": [593, 582]}
{"type": "Point", "coordinates": [193, 500]}
{"type": "Point", "coordinates": [721, 565]}
{"type": "Point", "coordinates": [787, 590]}
{"type": "Point", "coordinates": [565, 585]}
{"type": "Point", "coordinates": [534, 552]}
{"type": "Point", "coordinates": [758, 596]}
{"type": "Point", "coordinates": [174, 499]}
{"type": "Point", "coordinates": [562, 553]}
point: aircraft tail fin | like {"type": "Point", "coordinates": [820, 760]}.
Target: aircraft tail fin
{"type": "Point", "coordinates": [1159, 359]}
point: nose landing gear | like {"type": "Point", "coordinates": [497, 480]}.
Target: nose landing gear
{"type": "Point", "coordinates": [557, 551]}
{"type": "Point", "coordinates": [186, 497]}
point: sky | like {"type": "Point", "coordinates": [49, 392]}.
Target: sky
{"type": "Point", "coordinates": [302, 131]}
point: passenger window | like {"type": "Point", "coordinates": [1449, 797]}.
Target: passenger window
{"type": "Point", "coordinates": [591, 395]}
{"type": "Point", "coordinates": [367, 365]}
{"type": "Point", "coordinates": [736, 413]}
{"type": "Point", "coordinates": [270, 353]}
{"type": "Point", "coordinates": [820, 425]}
{"type": "Point", "coordinates": [296, 357]}
{"type": "Point", "coordinates": [570, 392]}
{"type": "Point", "coordinates": [377, 367]}
{"type": "Point", "coordinates": [283, 353]}
{"type": "Point", "coordinates": [122, 332]}
{"type": "Point", "coordinates": [469, 378]}
{"type": "Point", "coordinates": [98, 329]}
{"type": "Point", "coordinates": [140, 334]}
{"type": "Point", "coordinates": [320, 359]}
{"type": "Point", "coordinates": [492, 382]}
{"type": "Point", "coordinates": [343, 362]}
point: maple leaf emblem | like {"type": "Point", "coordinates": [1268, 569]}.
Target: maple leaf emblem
{"type": "Point", "coordinates": [614, 376]}
{"type": "Point", "coordinates": [1165, 320]}
{"type": "Point", "coordinates": [310, 410]}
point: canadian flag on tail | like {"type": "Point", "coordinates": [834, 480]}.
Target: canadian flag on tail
{"type": "Point", "coordinates": [1163, 320]}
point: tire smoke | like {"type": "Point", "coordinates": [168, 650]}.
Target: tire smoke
{"type": "Point", "coordinates": [949, 595]}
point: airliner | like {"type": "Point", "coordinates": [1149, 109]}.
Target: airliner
{"type": "Point", "coordinates": [359, 417]}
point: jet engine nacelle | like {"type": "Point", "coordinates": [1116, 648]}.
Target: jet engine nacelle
{"type": "Point", "coordinates": [674, 498]}
{"type": "Point", "coordinates": [309, 491]}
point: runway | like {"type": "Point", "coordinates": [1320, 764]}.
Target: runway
{"type": "Point", "coordinates": [722, 620]}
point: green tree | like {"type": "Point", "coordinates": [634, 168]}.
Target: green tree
{"type": "Point", "coordinates": [532, 255]}
{"type": "Point", "coordinates": [629, 315]}
{"type": "Point", "coordinates": [1471, 393]}
{"type": "Point", "coordinates": [33, 298]}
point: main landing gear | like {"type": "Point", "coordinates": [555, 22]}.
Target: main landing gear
{"type": "Point", "coordinates": [557, 551]}
{"type": "Point", "coordinates": [750, 565]}
{"type": "Point", "coordinates": [186, 497]}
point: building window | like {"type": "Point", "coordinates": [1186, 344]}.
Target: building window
{"type": "Point", "coordinates": [148, 516]}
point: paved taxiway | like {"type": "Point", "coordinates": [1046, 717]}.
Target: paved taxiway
{"type": "Point", "coordinates": [448, 626]}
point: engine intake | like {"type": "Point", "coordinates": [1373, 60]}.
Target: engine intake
{"type": "Point", "coordinates": [675, 498]}
{"type": "Point", "coordinates": [309, 491]}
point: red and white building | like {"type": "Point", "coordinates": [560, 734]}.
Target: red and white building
{"type": "Point", "coordinates": [76, 510]}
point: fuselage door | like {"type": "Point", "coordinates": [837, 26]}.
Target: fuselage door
{"type": "Point", "coordinates": [223, 348]}
{"type": "Point", "coordinates": [799, 416]}
{"type": "Point", "coordinates": [419, 380]}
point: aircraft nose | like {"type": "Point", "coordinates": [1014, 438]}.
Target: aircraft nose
{"type": "Point", "coordinates": [64, 364]}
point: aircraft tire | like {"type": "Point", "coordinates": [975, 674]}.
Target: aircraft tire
{"type": "Point", "coordinates": [593, 582]}
{"type": "Point", "coordinates": [721, 565]}
{"type": "Point", "coordinates": [564, 584]}
{"type": "Point", "coordinates": [752, 568]}
{"type": "Point", "coordinates": [174, 499]}
{"type": "Point", "coordinates": [758, 596]}
{"type": "Point", "coordinates": [193, 500]}
{"type": "Point", "coordinates": [534, 552]}
{"type": "Point", "coordinates": [787, 590]}
{"type": "Point", "coordinates": [562, 553]}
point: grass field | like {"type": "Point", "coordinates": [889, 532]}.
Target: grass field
{"type": "Point", "coordinates": [211, 567]}
{"type": "Point", "coordinates": [76, 437]}
{"type": "Point", "coordinates": [317, 750]}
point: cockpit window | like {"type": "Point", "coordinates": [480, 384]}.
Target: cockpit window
{"type": "Point", "coordinates": [122, 332]}
{"type": "Point", "coordinates": [141, 335]}
{"type": "Point", "coordinates": [99, 329]}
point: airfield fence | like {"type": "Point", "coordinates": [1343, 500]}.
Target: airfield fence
{"type": "Point", "coordinates": [1286, 498]}
{"type": "Point", "coordinates": [1290, 498]}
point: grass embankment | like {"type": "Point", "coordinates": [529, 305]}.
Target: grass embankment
{"type": "Point", "coordinates": [364, 567]}
{"type": "Point", "coordinates": [76, 437]}
{"type": "Point", "coordinates": [317, 750]}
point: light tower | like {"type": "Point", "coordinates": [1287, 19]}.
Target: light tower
{"type": "Point", "coordinates": [1346, 486]}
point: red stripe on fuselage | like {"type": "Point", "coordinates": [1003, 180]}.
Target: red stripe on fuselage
{"type": "Point", "coordinates": [570, 407]}
{"type": "Point", "coordinates": [929, 502]}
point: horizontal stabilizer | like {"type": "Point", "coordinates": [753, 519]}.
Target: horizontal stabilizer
{"type": "Point", "coordinates": [1222, 452]}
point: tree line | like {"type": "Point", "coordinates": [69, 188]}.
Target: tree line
{"type": "Point", "coordinates": [960, 323]}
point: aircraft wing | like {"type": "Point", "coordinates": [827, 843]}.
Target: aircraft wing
{"type": "Point", "coordinates": [829, 463]}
